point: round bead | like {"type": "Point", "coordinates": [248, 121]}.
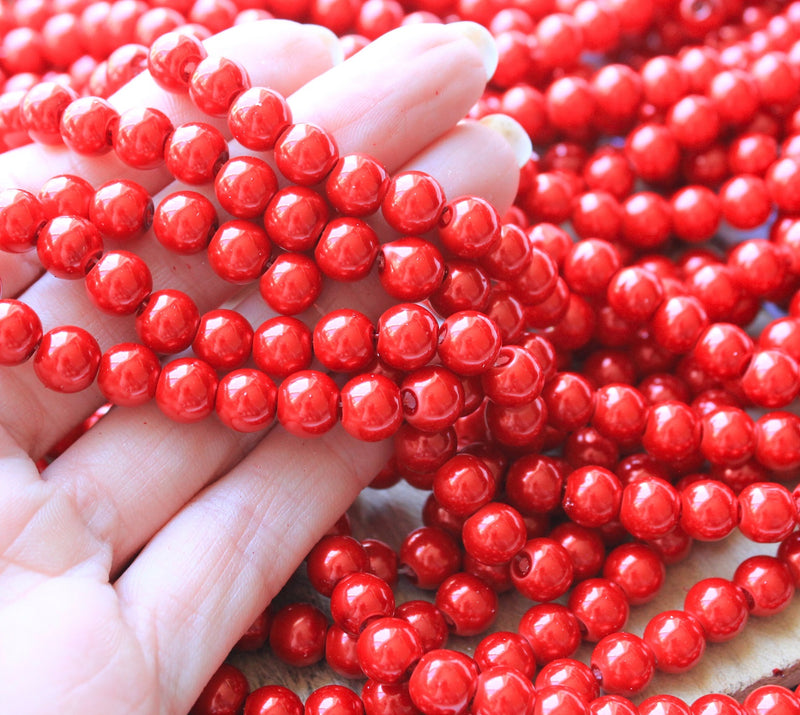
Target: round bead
{"type": "Point", "coordinates": [224, 339]}
{"type": "Point", "coordinates": [505, 649]}
{"type": "Point", "coordinates": [515, 377]}
{"type": "Point", "coordinates": [443, 683]}
{"type": "Point", "coordinates": [244, 186]}
{"type": "Point", "coordinates": [186, 390]}
{"type": "Point", "coordinates": [20, 332]}
{"type": "Point", "coordinates": [282, 346]}
{"type": "Point", "coordinates": [273, 700]}
{"type": "Point", "coordinates": [387, 648]}
{"type": "Point", "coordinates": [257, 117]}
{"type": "Point", "coordinates": [168, 322]}
{"type": "Point", "coordinates": [624, 663]}
{"type": "Point", "coordinates": [650, 508]}
{"type": "Point", "coordinates": [720, 607]}
{"type": "Point", "coordinates": [226, 691]}
{"type": "Point", "coordinates": [709, 510]}
{"type": "Point", "coordinates": [407, 336]}
{"type": "Point", "coordinates": [542, 570]}
{"type": "Point", "coordinates": [128, 374]}
{"type": "Point", "coordinates": [22, 216]}
{"type": "Point", "coordinates": [67, 359]}
{"type": "Point", "coordinates": [139, 137]}
{"type": "Point", "coordinates": [297, 634]}
{"type": "Point", "coordinates": [305, 153]}
{"type": "Point", "coordinates": [291, 284]}
{"type": "Point", "coordinates": [173, 58]}
{"type": "Point", "coordinates": [119, 283]}
{"type": "Point", "coordinates": [494, 533]}
{"type": "Point", "coordinates": [676, 639]}
{"type": "Point", "coordinates": [637, 569]}
{"type": "Point", "coordinates": [295, 218]}
{"type": "Point", "coordinates": [501, 689]}
{"type": "Point", "coordinates": [592, 496]}
{"type": "Point", "coordinates": [469, 227]}
{"type": "Point", "coordinates": [468, 603]}
{"type": "Point", "coordinates": [87, 126]}
{"type": "Point", "coordinates": [246, 400]}
{"type": "Point", "coordinates": [68, 247]}
{"type": "Point", "coordinates": [371, 407]}
{"type": "Point", "coordinates": [359, 598]}
{"type": "Point", "coordinates": [66, 194]}
{"type": "Point", "coordinates": [768, 512]}
{"type": "Point", "coordinates": [184, 222]}
{"type": "Point", "coordinates": [601, 607]}
{"type": "Point", "coordinates": [121, 209]}
{"type": "Point", "coordinates": [767, 581]}
{"type": "Point", "coordinates": [195, 152]}
{"type": "Point", "coordinates": [413, 202]}
{"type": "Point", "coordinates": [410, 269]}
{"type": "Point", "coordinates": [41, 109]}
{"type": "Point", "coordinates": [469, 343]}
{"type": "Point", "coordinates": [308, 403]}
{"type": "Point", "coordinates": [347, 249]}
{"type": "Point", "coordinates": [239, 251]}
{"type": "Point", "coordinates": [429, 555]}
{"type": "Point", "coordinates": [356, 185]}
{"type": "Point", "coordinates": [215, 83]}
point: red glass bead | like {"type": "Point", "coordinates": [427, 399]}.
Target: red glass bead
{"type": "Point", "coordinates": [413, 202]}
{"type": "Point", "coordinates": [720, 606]}
{"type": "Point", "coordinates": [244, 186]}
{"type": "Point", "coordinates": [624, 663]}
{"type": "Point", "coordinates": [168, 322]}
{"type": "Point", "coordinates": [295, 218]}
{"type": "Point", "coordinates": [68, 247]}
{"type": "Point", "coordinates": [783, 184]}
{"type": "Point", "coordinates": [22, 217]}
{"type": "Point", "coordinates": [709, 510]}
{"type": "Point", "coordinates": [305, 153]}
{"type": "Point", "coordinates": [443, 682]}
{"type": "Point", "coordinates": [677, 640]}
{"type": "Point", "coordinates": [468, 604]}
{"type": "Point", "coordinates": [771, 700]}
{"type": "Point", "coordinates": [672, 431]}
{"type": "Point", "coordinates": [584, 546]}
{"type": "Point", "coordinates": [67, 359]}
{"type": "Point", "coordinates": [551, 630]}
{"type": "Point", "coordinates": [257, 117]}
{"type": "Point", "coordinates": [600, 605]}
{"type": "Point", "coordinates": [186, 390]}
{"type": "Point", "coordinates": [637, 569]}
{"type": "Point", "coordinates": [463, 484]}
{"type": "Point", "coordinates": [87, 126]}
{"type": "Point", "coordinates": [663, 705]}
{"type": "Point", "coordinates": [215, 83]}
{"type": "Point", "coordinates": [195, 152]}
{"type": "Point", "coordinates": [494, 533]}
{"type": "Point", "coordinates": [41, 109]}
{"type": "Point", "coordinates": [538, 280]}
{"type": "Point", "coordinates": [427, 620]}
{"type": "Point", "coordinates": [514, 378]}
{"type": "Point", "coordinates": [297, 634]}
{"type": "Point", "coordinates": [650, 508]}
{"type": "Point", "coordinates": [768, 512]}
{"type": "Point", "coordinates": [173, 58]}
{"type": "Point", "coordinates": [542, 570]}
{"type": "Point", "coordinates": [346, 249]}
{"type": "Point", "coordinates": [273, 700]}
{"type": "Point", "coordinates": [379, 698]}
{"type": "Point", "coordinates": [716, 704]}
{"type": "Point", "coordinates": [356, 185]}
{"type": "Point", "coordinates": [410, 269]}
{"type": "Point", "coordinates": [246, 400]}
{"type": "Point", "coordinates": [635, 294]}
{"type": "Point", "coordinates": [778, 441]}
{"type": "Point", "coordinates": [128, 374]}
{"type": "Point", "coordinates": [66, 195]}
{"type": "Point", "coordinates": [772, 379]}
{"type": "Point", "coordinates": [224, 339]}
{"type": "Point", "coordinates": [465, 286]}
{"type": "Point", "coordinates": [653, 152]}
{"type": "Point", "coordinates": [371, 407]}
{"type": "Point", "coordinates": [469, 343]}
{"type": "Point", "coordinates": [343, 340]}
{"type": "Point", "coordinates": [429, 555]}
{"type": "Point", "coordinates": [332, 558]}
{"type": "Point", "coordinates": [407, 336]}
{"type": "Point", "coordinates": [382, 560]}
{"type": "Point", "coordinates": [696, 212]}
{"type": "Point", "coordinates": [433, 398]}
{"type": "Point", "coordinates": [282, 346]}
{"type": "Point", "coordinates": [589, 266]}
{"type": "Point", "coordinates": [508, 257]}
{"type": "Point", "coordinates": [500, 689]}
{"type": "Point", "coordinates": [20, 332]}
{"type": "Point", "coordinates": [340, 653]}
{"type": "Point", "coordinates": [613, 705]}
{"type": "Point", "coordinates": [308, 403]}
{"type": "Point", "coordinates": [505, 649]}
{"type": "Point", "coordinates": [559, 700]}
{"type": "Point", "coordinates": [184, 222]}
{"type": "Point", "coordinates": [387, 649]}
{"type": "Point", "coordinates": [119, 283]}
{"type": "Point", "coordinates": [224, 694]}
{"type": "Point", "coordinates": [291, 284]}
{"type": "Point", "coordinates": [469, 227]}
{"type": "Point", "coordinates": [121, 209]}
{"type": "Point", "coordinates": [139, 137]}
{"type": "Point", "coordinates": [358, 598]}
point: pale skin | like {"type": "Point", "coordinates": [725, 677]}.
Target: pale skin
{"type": "Point", "coordinates": [132, 565]}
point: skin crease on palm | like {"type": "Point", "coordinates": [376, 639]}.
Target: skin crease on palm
{"type": "Point", "coordinates": [132, 565]}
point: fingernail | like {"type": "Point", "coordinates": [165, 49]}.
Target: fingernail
{"type": "Point", "coordinates": [483, 40]}
{"type": "Point", "coordinates": [331, 42]}
{"type": "Point", "coordinates": [513, 133]}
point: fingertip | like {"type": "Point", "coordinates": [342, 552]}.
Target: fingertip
{"type": "Point", "coordinates": [516, 137]}
{"type": "Point", "coordinates": [482, 39]}
{"type": "Point", "coordinates": [330, 40]}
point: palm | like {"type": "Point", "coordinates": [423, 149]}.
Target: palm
{"type": "Point", "coordinates": [147, 537]}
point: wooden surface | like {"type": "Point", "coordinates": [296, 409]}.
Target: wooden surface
{"type": "Point", "coordinates": [768, 651]}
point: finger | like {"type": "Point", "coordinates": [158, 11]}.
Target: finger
{"type": "Point", "coordinates": [17, 272]}
{"type": "Point", "coordinates": [61, 303]}
{"type": "Point", "coordinates": [283, 495]}
{"type": "Point", "coordinates": [280, 54]}
{"type": "Point", "coordinates": [158, 469]}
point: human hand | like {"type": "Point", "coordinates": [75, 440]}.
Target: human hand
{"type": "Point", "coordinates": [134, 562]}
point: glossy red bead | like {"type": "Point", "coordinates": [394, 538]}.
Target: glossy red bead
{"type": "Point", "coordinates": [121, 209]}
{"type": "Point", "coordinates": [246, 400]}
{"type": "Point", "coordinates": [387, 648]}
{"type": "Point", "coordinates": [410, 269]}
{"type": "Point", "coordinates": [297, 634]}
{"type": "Point", "coordinates": [87, 126]}
{"type": "Point", "coordinates": [273, 700]}
{"type": "Point", "coordinates": [244, 186]}
{"type": "Point", "coordinates": [428, 555]}
{"type": "Point", "coordinates": [624, 663]}
{"type": "Point", "coordinates": [119, 283]}
{"type": "Point", "coordinates": [128, 374]}
{"type": "Point", "coordinates": [346, 249]}
{"type": "Point", "coordinates": [601, 606]}
{"type": "Point", "coordinates": [501, 689]}
{"type": "Point", "coordinates": [356, 185]}
{"type": "Point", "coordinates": [195, 152]}
{"type": "Point", "coordinates": [308, 403]}
{"type": "Point", "coordinates": [186, 390]}
{"type": "Point", "coordinates": [69, 246]}
{"type": "Point", "coordinates": [768, 582]}
{"type": "Point", "coordinates": [282, 345]}
{"type": "Point", "coordinates": [469, 343]}
{"type": "Point", "coordinates": [413, 202]}
{"type": "Point", "coordinates": [542, 570]}
{"type": "Point", "coordinates": [305, 153]}
{"type": "Point", "coordinates": [469, 605]}
{"type": "Point", "coordinates": [67, 359]}
{"type": "Point", "coordinates": [168, 322]}
{"type": "Point", "coordinates": [172, 59]}
{"type": "Point", "coordinates": [358, 598]}
{"type": "Point", "coordinates": [407, 336]}
{"type": "Point", "coordinates": [139, 136]}
{"type": "Point", "coordinates": [291, 284]}
{"type": "Point", "coordinates": [41, 109]}
{"type": "Point", "coordinates": [343, 340]}
{"type": "Point", "coordinates": [709, 510]}
{"type": "Point", "coordinates": [677, 640]}
{"type": "Point", "coordinates": [443, 683]}
{"type": "Point", "coordinates": [494, 533]}
{"type": "Point", "coordinates": [371, 407]}
{"type": "Point", "coordinates": [257, 117]}
{"type": "Point", "coordinates": [20, 332]}
{"type": "Point", "coordinates": [215, 83]}
{"type": "Point", "coordinates": [637, 569]}
{"type": "Point", "coordinates": [184, 222]}
{"type": "Point", "coordinates": [224, 694]}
